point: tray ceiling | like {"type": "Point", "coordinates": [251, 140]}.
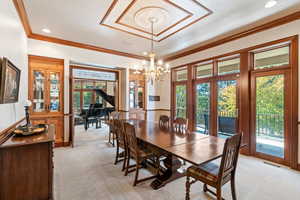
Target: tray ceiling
{"type": "Point", "coordinates": [132, 17]}
{"type": "Point", "coordinates": [123, 25]}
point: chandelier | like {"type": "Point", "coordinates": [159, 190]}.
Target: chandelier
{"type": "Point", "coordinates": [153, 69]}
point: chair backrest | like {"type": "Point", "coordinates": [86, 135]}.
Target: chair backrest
{"type": "Point", "coordinates": [180, 125]}
{"type": "Point", "coordinates": [164, 121]}
{"type": "Point", "coordinates": [131, 139]}
{"type": "Point", "coordinates": [119, 130]}
{"type": "Point", "coordinates": [230, 156]}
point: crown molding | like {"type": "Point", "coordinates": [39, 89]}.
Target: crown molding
{"type": "Point", "coordinates": [81, 45]}
{"type": "Point", "coordinates": [19, 5]}
{"type": "Point", "coordinates": [277, 22]}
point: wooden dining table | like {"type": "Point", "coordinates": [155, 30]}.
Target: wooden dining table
{"type": "Point", "coordinates": [192, 147]}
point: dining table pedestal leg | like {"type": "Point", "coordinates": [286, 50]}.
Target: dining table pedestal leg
{"type": "Point", "coordinates": [172, 164]}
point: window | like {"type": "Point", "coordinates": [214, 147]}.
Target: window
{"type": "Point", "coordinates": [229, 66]}
{"type": "Point", "coordinates": [204, 70]}
{"type": "Point", "coordinates": [181, 74]}
{"type": "Point", "coordinates": [272, 58]}
{"type": "Point", "coordinates": [88, 84]}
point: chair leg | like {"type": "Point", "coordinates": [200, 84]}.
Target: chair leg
{"type": "Point", "coordinates": [136, 173]}
{"type": "Point", "coordinates": [117, 155]}
{"type": "Point", "coordinates": [113, 139]}
{"type": "Point", "coordinates": [124, 161]}
{"type": "Point", "coordinates": [127, 164]}
{"type": "Point", "coordinates": [187, 188]}
{"type": "Point", "coordinates": [205, 188]}
{"type": "Point", "coordinates": [219, 193]}
{"type": "Point", "coordinates": [233, 187]}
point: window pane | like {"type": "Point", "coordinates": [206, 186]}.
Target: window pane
{"type": "Point", "coordinates": [203, 71]}
{"type": "Point", "coordinates": [76, 102]}
{"type": "Point", "coordinates": [180, 104]}
{"type": "Point", "coordinates": [270, 115]}
{"type": "Point", "coordinates": [100, 84]}
{"type": "Point", "coordinates": [203, 107]}
{"type": "Point", "coordinates": [87, 99]}
{"type": "Point", "coordinates": [181, 75]}
{"type": "Point", "coordinates": [88, 84]}
{"type": "Point", "coordinates": [227, 110]}
{"type": "Point", "coordinates": [77, 84]}
{"type": "Point", "coordinates": [272, 58]}
{"type": "Point", "coordinates": [229, 66]}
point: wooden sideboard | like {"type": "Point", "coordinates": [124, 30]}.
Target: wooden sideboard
{"type": "Point", "coordinates": [26, 167]}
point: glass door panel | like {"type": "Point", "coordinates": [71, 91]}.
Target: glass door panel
{"type": "Point", "coordinates": [87, 99]}
{"type": "Point", "coordinates": [269, 129]}
{"type": "Point", "coordinates": [227, 108]}
{"type": "Point", "coordinates": [76, 102]}
{"type": "Point", "coordinates": [203, 108]}
{"type": "Point", "coordinates": [180, 101]}
{"type": "Point", "coordinates": [54, 91]}
{"type": "Point", "coordinates": [39, 91]}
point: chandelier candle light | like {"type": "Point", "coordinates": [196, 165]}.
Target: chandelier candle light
{"type": "Point", "coordinates": [153, 69]}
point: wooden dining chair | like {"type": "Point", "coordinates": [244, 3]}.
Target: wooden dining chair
{"type": "Point", "coordinates": [139, 154]}
{"type": "Point", "coordinates": [180, 125]}
{"type": "Point", "coordinates": [112, 133]}
{"type": "Point", "coordinates": [164, 121]}
{"type": "Point", "coordinates": [217, 175]}
{"type": "Point", "coordinates": [121, 143]}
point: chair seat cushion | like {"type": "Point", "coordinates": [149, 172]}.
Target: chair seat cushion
{"type": "Point", "coordinates": [207, 171]}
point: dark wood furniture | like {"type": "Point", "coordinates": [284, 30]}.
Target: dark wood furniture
{"type": "Point", "coordinates": [164, 121]}
{"type": "Point", "coordinates": [180, 125]}
{"type": "Point", "coordinates": [26, 167]}
{"type": "Point", "coordinates": [121, 142]}
{"type": "Point", "coordinates": [139, 154]}
{"type": "Point", "coordinates": [112, 133]}
{"type": "Point", "coordinates": [214, 175]}
{"type": "Point", "coordinates": [192, 147]}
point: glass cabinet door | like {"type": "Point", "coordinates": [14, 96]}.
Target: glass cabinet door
{"type": "Point", "coordinates": [54, 91]}
{"type": "Point", "coordinates": [38, 100]}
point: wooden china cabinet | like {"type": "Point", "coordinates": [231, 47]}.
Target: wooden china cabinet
{"type": "Point", "coordinates": [46, 91]}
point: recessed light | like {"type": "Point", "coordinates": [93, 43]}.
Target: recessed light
{"type": "Point", "coordinates": [46, 30]}
{"type": "Point", "coordinates": [270, 4]}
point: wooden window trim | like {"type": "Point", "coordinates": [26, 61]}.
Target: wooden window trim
{"type": "Point", "coordinates": [246, 69]}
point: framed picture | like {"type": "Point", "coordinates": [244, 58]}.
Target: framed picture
{"type": "Point", "coordinates": [10, 82]}
{"type": "Point", "coordinates": [154, 98]}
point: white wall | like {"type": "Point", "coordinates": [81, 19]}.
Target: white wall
{"type": "Point", "coordinates": [276, 33]}
{"type": "Point", "coordinates": [13, 45]}
{"type": "Point", "coordinates": [160, 88]}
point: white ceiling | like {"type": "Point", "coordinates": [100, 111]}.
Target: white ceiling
{"type": "Point", "coordinates": [79, 21]}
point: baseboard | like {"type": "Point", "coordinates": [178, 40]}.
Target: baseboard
{"type": "Point", "coordinates": [298, 167]}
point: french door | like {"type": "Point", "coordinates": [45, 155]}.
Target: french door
{"type": "Point", "coordinates": [270, 94]}
{"type": "Point", "coordinates": [180, 100]}
{"type": "Point", "coordinates": [216, 106]}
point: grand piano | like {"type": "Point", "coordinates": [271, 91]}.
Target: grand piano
{"type": "Point", "coordinates": [97, 112]}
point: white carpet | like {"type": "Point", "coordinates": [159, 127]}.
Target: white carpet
{"type": "Point", "coordinates": [87, 172]}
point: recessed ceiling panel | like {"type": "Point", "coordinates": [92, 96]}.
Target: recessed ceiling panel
{"type": "Point", "coordinates": [169, 16]}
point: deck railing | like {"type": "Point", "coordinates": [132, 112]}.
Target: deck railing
{"type": "Point", "coordinates": [267, 124]}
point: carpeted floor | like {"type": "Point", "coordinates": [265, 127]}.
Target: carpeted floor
{"type": "Point", "coordinates": [87, 172]}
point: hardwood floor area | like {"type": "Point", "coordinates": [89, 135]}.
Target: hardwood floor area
{"type": "Point", "coordinates": [87, 172]}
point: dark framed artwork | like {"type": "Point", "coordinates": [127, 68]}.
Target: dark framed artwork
{"type": "Point", "coordinates": [154, 98]}
{"type": "Point", "coordinates": [10, 82]}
